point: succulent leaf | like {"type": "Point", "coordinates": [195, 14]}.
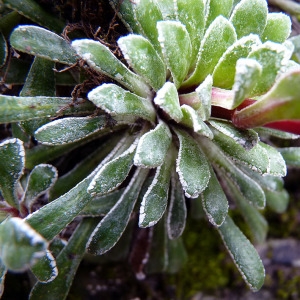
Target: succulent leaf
{"type": "Point", "coordinates": [215, 8]}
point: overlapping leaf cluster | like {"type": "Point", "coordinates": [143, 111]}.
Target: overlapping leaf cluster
{"type": "Point", "coordinates": [174, 124]}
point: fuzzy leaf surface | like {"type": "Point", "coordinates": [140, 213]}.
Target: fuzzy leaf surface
{"type": "Point", "coordinates": [291, 155]}
{"type": "Point", "coordinates": [204, 92]}
{"type": "Point", "coordinates": [3, 271]}
{"type": "Point", "coordinates": [215, 8]}
{"type": "Point", "coordinates": [243, 254]}
{"type": "Point", "coordinates": [44, 43]}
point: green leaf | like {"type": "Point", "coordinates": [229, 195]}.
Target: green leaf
{"type": "Point", "coordinates": [191, 166]}
{"type": "Point", "coordinates": [219, 36]}
{"type": "Point", "coordinates": [249, 17]}
{"type": "Point", "coordinates": [16, 237]}
{"type": "Point", "coordinates": [111, 227]}
{"type": "Point", "coordinates": [280, 103]}
{"type": "Point", "coordinates": [193, 120]}
{"type": "Point", "coordinates": [153, 146]}
{"type": "Point", "coordinates": [177, 211]}
{"type": "Point", "coordinates": [68, 262]}
{"type": "Point", "coordinates": [214, 201]}
{"type": "Point", "coordinates": [147, 14]}
{"type": "Point", "coordinates": [224, 72]}
{"type": "Point", "coordinates": [45, 269]}
{"type": "Point", "coordinates": [16, 109]}
{"type": "Point", "coordinates": [168, 9]}
{"type": "Point", "coordinates": [168, 100]}
{"type": "Point", "coordinates": [277, 200]}
{"type": "Point", "coordinates": [278, 28]}
{"type": "Point", "coordinates": [3, 50]}
{"type": "Point", "coordinates": [270, 55]}
{"type": "Point", "coordinates": [101, 59]}
{"type": "Point", "coordinates": [243, 254]}
{"type": "Point", "coordinates": [246, 138]}
{"type": "Point", "coordinates": [118, 102]}
{"type": "Point", "coordinates": [43, 43]}
{"type": "Point", "coordinates": [192, 16]}
{"type": "Point", "coordinates": [155, 200]}
{"type": "Point", "coordinates": [176, 48]}
{"type": "Point", "coordinates": [256, 222]}
{"type": "Point", "coordinates": [247, 72]}
{"type": "Point", "coordinates": [40, 180]}
{"type": "Point", "coordinates": [113, 173]}
{"type": "Point", "coordinates": [34, 12]}
{"type": "Point", "coordinates": [204, 92]}
{"type": "Point", "coordinates": [143, 59]}
{"type": "Point", "coordinates": [55, 133]}
{"type": "Point", "coordinates": [177, 255]}
{"type": "Point", "coordinates": [3, 271]}
{"type": "Point", "coordinates": [12, 162]}
{"type": "Point", "coordinates": [215, 8]}
{"type": "Point", "coordinates": [291, 155]}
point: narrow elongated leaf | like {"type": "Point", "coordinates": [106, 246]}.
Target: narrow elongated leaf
{"type": "Point", "coordinates": [55, 133]}
{"type": "Point", "coordinates": [277, 200]}
{"type": "Point", "coordinates": [3, 271]}
{"type": "Point", "coordinates": [278, 28]}
{"type": "Point", "coordinates": [16, 237]}
{"type": "Point", "coordinates": [12, 163]}
{"type": "Point", "coordinates": [45, 269]}
{"type": "Point", "coordinates": [256, 222]}
{"type": "Point", "coordinates": [243, 254]}
{"type": "Point", "coordinates": [291, 155]}
{"type": "Point", "coordinates": [191, 166]}
{"type": "Point", "coordinates": [155, 200]}
{"type": "Point", "coordinates": [44, 43]}
{"type": "Point", "coordinates": [15, 109]}
{"type": "Point", "coordinates": [246, 74]}
{"type": "Point", "coordinates": [176, 48]}
{"type": "Point", "coordinates": [193, 120]}
{"type": "Point", "coordinates": [100, 58]}
{"type": "Point", "coordinates": [168, 100]}
{"type": "Point", "coordinates": [153, 146]}
{"type": "Point", "coordinates": [177, 255]}
{"type": "Point", "coordinates": [34, 12]}
{"type": "Point", "coordinates": [118, 102]}
{"type": "Point", "coordinates": [224, 72]}
{"type": "Point", "coordinates": [67, 264]}
{"type": "Point", "coordinates": [280, 103]}
{"type": "Point", "coordinates": [3, 50]}
{"type": "Point", "coordinates": [219, 36]}
{"type": "Point", "coordinates": [215, 8]}
{"type": "Point", "coordinates": [40, 180]}
{"type": "Point", "coordinates": [113, 173]}
{"type": "Point", "coordinates": [144, 60]}
{"type": "Point", "coordinates": [246, 138]}
{"type": "Point", "coordinates": [193, 17]}
{"type": "Point", "coordinates": [204, 91]}
{"type": "Point", "coordinates": [214, 201]}
{"type": "Point", "coordinates": [111, 227]}
{"type": "Point", "coordinates": [249, 17]}
{"type": "Point", "coordinates": [177, 209]}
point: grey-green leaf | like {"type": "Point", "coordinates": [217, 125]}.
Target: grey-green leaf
{"type": "Point", "coordinates": [3, 50]}
{"type": "Point", "coordinates": [119, 102]}
{"type": "Point", "coordinates": [153, 146]}
{"type": "Point", "coordinates": [291, 155]}
{"type": "Point", "coordinates": [215, 8]}
{"type": "Point", "coordinates": [144, 60]}
{"type": "Point", "coordinates": [111, 227]}
{"type": "Point", "coordinates": [12, 163]}
{"type": "Point", "coordinates": [243, 254]}
{"type": "Point", "coordinates": [191, 165]}
{"type": "Point", "coordinates": [16, 237]}
{"type": "Point", "coordinates": [3, 271]}
{"type": "Point", "coordinates": [44, 43]}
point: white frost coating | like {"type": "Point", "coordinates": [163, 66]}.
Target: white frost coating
{"type": "Point", "coordinates": [53, 267]}
{"type": "Point", "coordinates": [204, 91]}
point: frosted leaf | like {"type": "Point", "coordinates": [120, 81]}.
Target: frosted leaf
{"type": "Point", "coordinates": [204, 91]}
{"type": "Point", "coordinates": [153, 146]}
{"type": "Point", "coordinates": [219, 36]}
{"type": "Point", "coordinates": [249, 17]}
{"type": "Point", "coordinates": [191, 119]}
{"type": "Point", "coordinates": [278, 28]}
{"type": "Point", "coordinates": [3, 271]}
{"type": "Point", "coordinates": [155, 200]}
{"type": "Point", "coordinates": [168, 9]}
{"type": "Point", "coordinates": [246, 138]}
{"type": "Point", "coordinates": [3, 55]}
{"type": "Point", "coordinates": [143, 59]}
{"type": "Point", "coordinates": [224, 72]}
{"type": "Point", "coordinates": [291, 155]}
{"type": "Point", "coordinates": [176, 48]}
{"type": "Point", "coordinates": [168, 100]}
{"type": "Point", "coordinates": [215, 8]}
{"type": "Point", "coordinates": [12, 165]}
{"type": "Point", "coordinates": [266, 132]}
{"type": "Point", "coordinates": [243, 254]}
{"type": "Point", "coordinates": [214, 201]}
{"type": "Point", "coordinates": [118, 102]}
{"type": "Point", "coordinates": [191, 166]}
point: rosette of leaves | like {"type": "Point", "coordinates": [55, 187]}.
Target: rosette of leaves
{"type": "Point", "coordinates": [181, 120]}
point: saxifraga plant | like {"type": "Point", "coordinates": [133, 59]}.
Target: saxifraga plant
{"type": "Point", "coordinates": [182, 120]}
